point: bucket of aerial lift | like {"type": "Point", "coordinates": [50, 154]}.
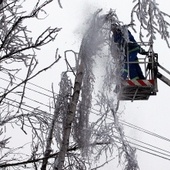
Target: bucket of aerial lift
{"type": "Point", "coordinates": [141, 89]}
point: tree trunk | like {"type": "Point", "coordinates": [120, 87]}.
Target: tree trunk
{"type": "Point", "coordinates": [59, 162]}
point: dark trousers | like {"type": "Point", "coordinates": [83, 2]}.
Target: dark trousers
{"type": "Point", "coordinates": [134, 69]}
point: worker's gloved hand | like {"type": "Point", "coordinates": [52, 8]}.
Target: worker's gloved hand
{"type": "Point", "coordinates": [144, 53]}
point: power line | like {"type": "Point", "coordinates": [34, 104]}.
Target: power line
{"type": "Point", "coordinates": [50, 96]}
{"type": "Point", "coordinates": [28, 106]}
{"type": "Point", "coordinates": [30, 83]}
{"type": "Point", "coordinates": [33, 100]}
{"type": "Point", "coordinates": [122, 122]}
{"type": "Point", "coordinates": [144, 130]}
{"type": "Point", "coordinates": [133, 126]}
{"type": "Point", "coordinates": [155, 153]}
{"type": "Point", "coordinates": [148, 144]}
{"type": "Point", "coordinates": [146, 147]}
{"type": "Point", "coordinates": [137, 146]}
{"type": "Point", "coordinates": [152, 150]}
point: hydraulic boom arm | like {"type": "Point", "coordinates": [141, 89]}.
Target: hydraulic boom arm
{"type": "Point", "coordinates": [162, 77]}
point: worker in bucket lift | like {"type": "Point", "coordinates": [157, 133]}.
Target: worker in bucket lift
{"type": "Point", "coordinates": [131, 50]}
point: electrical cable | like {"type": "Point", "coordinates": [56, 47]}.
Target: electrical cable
{"type": "Point", "coordinates": [135, 127]}
{"type": "Point", "coordinates": [153, 150]}
{"type": "Point", "coordinates": [144, 130]}
{"type": "Point", "coordinates": [30, 83]}
{"type": "Point", "coordinates": [163, 150]}
{"type": "Point", "coordinates": [33, 100]}
{"type": "Point", "coordinates": [30, 107]}
{"type": "Point", "coordinates": [27, 110]}
{"type": "Point", "coordinates": [148, 152]}
{"type": "Point", "coordinates": [50, 96]}
{"type": "Point", "coordinates": [144, 149]}
{"type": "Point", "coordinates": [147, 149]}
{"type": "Point", "coordinates": [121, 121]}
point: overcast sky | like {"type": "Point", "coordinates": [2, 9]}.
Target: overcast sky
{"type": "Point", "coordinates": [153, 114]}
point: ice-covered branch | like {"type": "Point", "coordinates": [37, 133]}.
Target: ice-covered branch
{"type": "Point", "coordinates": [151, 19]}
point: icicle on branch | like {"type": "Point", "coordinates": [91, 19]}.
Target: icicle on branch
{"type": "Point", "coordinates": [83, 85]}
{"type": "Point", "coordinates": [108, 102]}
{"type": "Point", "coordinates": [127, 151]}
{"type": "Point", "coordinates": [151, 19]}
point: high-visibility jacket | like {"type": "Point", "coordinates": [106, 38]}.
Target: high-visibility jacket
{"type": "Point", "coordinates": [132, 48]}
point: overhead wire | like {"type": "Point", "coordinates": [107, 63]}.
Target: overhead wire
{"type": "Point", "coordinates": [25, 105]}
{"type": "Point", "coordinates": [144, 130]}
{"type": "Point", "coordinates": [121, 121]}
{"type": "Point", "coordinates": [31, 89]}
{"type": "Point", "coordinates": [50, 96]}
{"type": "Point", "coordinates": [133, 126]}
{"type": "Point", "coordinates": [155, 153]}
{"type": "Point", "coordinates": [161, 151]}
{"type": "Point", "coordinates": [145, 147]}
{"type": "Point", "coordinates": [33, 100]}
{"type": "Point", "coordinates": [31, 84]}
{"type": "Point", "coordinates": [27, 110]}
{"type": "Point", "coordinates": [148, 144]}
{"type": "Point", "coordinates": [137, 146]}
{"type": "Point", "coordinates": [152, 150]}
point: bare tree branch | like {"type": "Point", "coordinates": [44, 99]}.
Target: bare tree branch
{"type": "Point", "coordinates": [24, 81]}
{"type": "Point", "coordinates": [59, 2]}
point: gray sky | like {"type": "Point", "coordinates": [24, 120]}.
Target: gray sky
{"type": "Point", "coordinates": [153, 114]}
